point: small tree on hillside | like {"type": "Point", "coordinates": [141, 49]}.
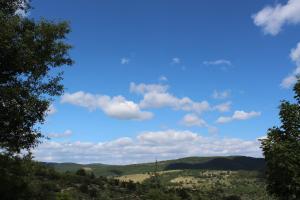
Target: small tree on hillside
{"type": "Point", "coordinates": [281, 149]}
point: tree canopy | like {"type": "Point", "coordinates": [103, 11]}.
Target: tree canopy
{"type": "Point", "coordinates": [281, 149]}
{"type": "Point", "coordinates": [29, 52]}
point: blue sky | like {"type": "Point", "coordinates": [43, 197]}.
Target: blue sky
{"type": "Point", "coordinates": [167, 79]}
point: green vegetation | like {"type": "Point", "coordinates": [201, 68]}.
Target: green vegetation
{"type": "Point", "coordinates": [214, 163]}
{"type": "Point", "coordinates": [32, 180]}
{"type": "Point", "coordinates": [29, 51]}
{"type": "Point", "coordinates": [282, 151]}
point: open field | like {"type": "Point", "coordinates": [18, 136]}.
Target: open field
{"type": "Point", "coordinates": [139, 178]}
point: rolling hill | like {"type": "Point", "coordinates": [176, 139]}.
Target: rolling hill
{"type": "Point", "coordinates": [208, 163]}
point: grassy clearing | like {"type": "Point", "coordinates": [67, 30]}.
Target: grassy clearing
{"type": "Point", "coordinates": [136, 178]}
{"type": "Point", "coordinates": [139, 178]}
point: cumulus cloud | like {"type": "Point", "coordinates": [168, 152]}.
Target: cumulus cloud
{"type": "Point", "coordinates": [193, 120]}
{"type": "Point", "coordinates": [147, 88]}
{"type": "Point", "coordinates": [157, 96]}
{"type": "Point", "coordinates": [125, 61]}
{"type": "Point", "coordinates": [51, 110]}
{"type": "Point", "coordinates": [117, 107]}
{"type": "Point", "coordinates": [273, 18]}
{"type": "Point", "coordinates": [238, 115]}
{"type": "Point", "coordinates": [223, 107]}
{"type": "Point", "coordinates": [291, 79]}
{"type": "Point", "coordinates": [221, 94]}
{"type": "Point", "coordinates": [67, 133]}
{"type": "Point", "coordinates": [147, 146]}
{"type": "Point", "coordinates": [218, 62]}
{"type": "Point", "coordinates": [153, 96]}
{"type": "Point", "coordinates": [158, 100]}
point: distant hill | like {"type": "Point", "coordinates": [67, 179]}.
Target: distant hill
{"type": "Point", "coordinates": [221, 163]}
{"type": "Point", "coordinates": [209, 163]}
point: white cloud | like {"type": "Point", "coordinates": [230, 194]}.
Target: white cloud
{"type": "Point", "coordinates": [157, 96]}
{"type": "Point", "coordinates": [262, 137]}
{"type": "Point", "coordinates": [213, 129]}
{"type": "Point", "coordinates": [166, 137]}
{"type": "Point", "coordinates": [146, 88]}
{"type": "Point", "coordinates": [221, 94]}
{"type": "Point", "coordinates": [193, 120]}
{"type": "Point", "coordinates": [153, 96]}
{"type": "Point", "coordinates": [295, 54]}
{"type": "Point", "coordinates": [273, 18]}
{"type": "Point", "coordinates": [158, 100]}
{"type": "Point", "coordinates": [175, 61]}
{"type": "Point", "coordinates": [238, 115]}
{"type": "Point", "coordinates": [223, 107]}
{"type": "Point", "coordinates": [218, 62]}
{"type": "Point", "coordinates": [147, 146]}
{"type": "Point", "coordinates": [117, 107]}
{"type": "Point", "coordinates": [67, 133]}
{"type": "Point", "coordinates": [291, 79]}
{"type": "Point", "coordinates": [51, 110]}
{"type": "Point", "coordinates": [125, 61]}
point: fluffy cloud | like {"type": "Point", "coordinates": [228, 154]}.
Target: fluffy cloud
{"type": "Point", "coordinates": [221, 94]}
{"type": "Point", "coordinates": [218, 62]}
{"type": "Point", "coordinates": [157, 96]}
{"type": "Point", "coordinates": [223, 107]}
{"type": "Point", "coordinates": [147, 88]}
{"type": "Point", "coordinates": [51, 110]}
{"type": "Point", "coordinates": [158, 100]}
{"type": "Point", "coordinates": [153, 96]}
{"type": "Point", "coordinates": [125, 61]}
{"type": "Point", "coordinates": [273, 18]}
{"type": "Point", "coordinates": [238, 115]}
{"type": "Point", "coordinates": [292, 78]}
{"type": "Point", "coordinates": [117, 107]}
{"type": "Point", "coordinates": [193, 120]}
{"type": "Point", "coordinates": [67, 133]}
{"type": "Point", "coordinates": [145, 147]}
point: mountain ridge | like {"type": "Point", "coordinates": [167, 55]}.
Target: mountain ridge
{"type": "Point", "coordinates": [207, 163]}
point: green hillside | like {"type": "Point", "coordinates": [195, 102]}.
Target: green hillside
{"type": "Point", "coordinates": [209, 163]}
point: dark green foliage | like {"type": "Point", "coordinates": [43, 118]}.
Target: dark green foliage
{"type": "Point", "coordinates": [232, 197]}
{"type": "Point", "coordinates": [81, 172]}
{"type": "Point", "coordinates": [222, 163]}
{"type": "Point", "coordinates": [21, 178]}
{"type": "Point", "coordinates": [282, 151]}
{"type": "Point", "coordinates": [29, 49]}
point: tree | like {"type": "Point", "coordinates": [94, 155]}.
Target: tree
{"type": "Point", "coordinates": [281, 149]}
{"type": "Point", "coordinates": [81, 172]}
{"type": "Point", "coordinates": [29, 51]}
